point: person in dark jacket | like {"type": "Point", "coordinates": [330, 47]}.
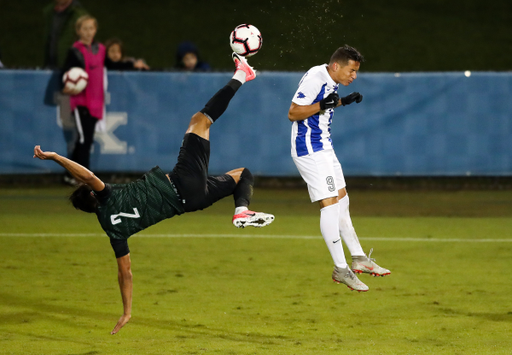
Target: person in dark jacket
{"type": "Point", "coordinates": [188, 58]}
{"type": "Point", "coordinates": [59, 33]}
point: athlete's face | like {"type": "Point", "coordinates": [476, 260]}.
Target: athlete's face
{"type": "Point", "coordinates": [87, 31]}
{"type": "Point", "coordinates": [344, 75]}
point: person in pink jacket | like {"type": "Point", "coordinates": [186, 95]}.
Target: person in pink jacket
{"type": "Point", "coordinates": [87, 106]}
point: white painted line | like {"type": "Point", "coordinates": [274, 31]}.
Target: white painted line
{"type": "Point", "coordinates": [248, 236]}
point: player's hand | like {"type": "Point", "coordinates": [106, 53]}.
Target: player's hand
{"type": "Point", "coordinates": [38, 153]}
{"type": "Point", "coordinates": [120, 323]}
{"type": "Point", "coordinates": [355, 96]}
{"type": "Point", "coordinates": [331, 101]}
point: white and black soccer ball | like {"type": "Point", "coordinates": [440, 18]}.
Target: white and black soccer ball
{"type": "Point", "coordinates": [245, 40]}
{"type": "Point", "coordinates": [75, 79]}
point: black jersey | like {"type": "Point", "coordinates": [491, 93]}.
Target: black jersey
{"type": "Point", "coordinates": [129, 208]}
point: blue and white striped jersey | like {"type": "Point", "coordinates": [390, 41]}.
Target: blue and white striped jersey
{"type": "Point", "coordinates": [314, 133]}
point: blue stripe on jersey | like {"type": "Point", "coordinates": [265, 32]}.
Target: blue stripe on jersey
{"type": "Point", "coordinates": [313, 121]}
{"type": "Point", "coordinates": [320, 95]}
{"type": "Point", "coordinates": [316, 133]}
{"type": "Point", "coordinates": [300, 140]}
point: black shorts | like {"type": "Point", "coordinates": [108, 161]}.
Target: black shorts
{"type": "Point", "coordinates": [190, 176]}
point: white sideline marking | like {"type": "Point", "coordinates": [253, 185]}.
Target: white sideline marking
{"type": "Point", "coordinates": [397, 239]}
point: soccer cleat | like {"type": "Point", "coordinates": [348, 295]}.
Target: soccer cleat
{"type": "Point", "coordinates": [347, 277]}
{"type": "Point", "coordinates": [365, 264]}
{"type": "Point", "coordinates": [241, 64]}
{"type": "Point", "coordinates": [250, 218]}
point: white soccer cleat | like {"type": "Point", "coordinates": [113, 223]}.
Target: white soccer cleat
{"type": "Point", "coordinates": [367, 265]}
{"type": "Point", "coordinates": [251, 218]}
{"type": "Point", "coordinates": [241, 64]}
{"type": "Point", "coordinates": [347, 277]}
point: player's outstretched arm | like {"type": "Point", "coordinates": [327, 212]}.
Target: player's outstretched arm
{"type": "Point", "coordinates": [124, 276]}
{"type": "Point", "coordinates": [301, 112]}
{"type": "Point", "coordinates": [78, 171]}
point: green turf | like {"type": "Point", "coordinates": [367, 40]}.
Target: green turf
{"type": "Point", "coordinates": [220, 290]}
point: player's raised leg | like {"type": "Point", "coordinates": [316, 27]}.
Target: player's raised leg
{"type": "Point", "coordinates": [215, 107]}
{"type": "Point", "coordinates": [239, 183]}
{"type": "Point", "coordinates": [243, 217]}
{"type": "Point", "coordinates": [360, 262]}
{"type": "Point", "coordinates": [330, 232]}
{"type": "Point", "coordinates": [191, 172]}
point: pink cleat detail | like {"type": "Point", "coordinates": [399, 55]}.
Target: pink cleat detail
{"type": "Point", "coordinates": [251, 218]}
{"type": "Point", "coordinates": [241, 64]}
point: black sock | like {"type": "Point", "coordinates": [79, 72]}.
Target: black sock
{"type": "Point", "coordinates": [220, 101]}
{"type": "Point", "coordinates": [243, 190]}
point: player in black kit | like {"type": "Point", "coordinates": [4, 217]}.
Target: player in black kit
{"type": "Point", "coordinates": [126, 209]}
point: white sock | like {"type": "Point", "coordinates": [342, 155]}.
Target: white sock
{"type": "Point", "coordinates": [347, 230]}
{"type": "Point", "coordinates": [240, 76]}
{"type": "Point", "coordinates": [329, 226]}
{"type": "Point", "coordinates": [240, 209]}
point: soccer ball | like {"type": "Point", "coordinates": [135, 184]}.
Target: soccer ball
{"type": "Point", "coordinates": [245, 40]}
{"type": "Point", "coordinates": [75, 79]}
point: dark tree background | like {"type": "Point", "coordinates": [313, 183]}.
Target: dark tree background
{"type": "Point", "coordinates": [394, 35]}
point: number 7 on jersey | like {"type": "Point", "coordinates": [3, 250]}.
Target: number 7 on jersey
{"type": "Point", "coordinates": [115, 218]}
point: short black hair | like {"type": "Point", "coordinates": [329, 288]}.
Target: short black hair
{"type": "Point", "coordinates": [343, 54]}
{"type": "Point", "coordinates": [83, 200]}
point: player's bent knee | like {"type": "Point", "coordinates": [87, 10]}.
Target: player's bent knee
{"type": "Point", "coordinates": [200, 119]}
{"type": "Point", "coordinates": [200, 125]}
{"type": "Point", "coordinates": [236, 174]}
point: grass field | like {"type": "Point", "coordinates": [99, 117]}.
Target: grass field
{"type": "Point", "coordinates": [203, 287]}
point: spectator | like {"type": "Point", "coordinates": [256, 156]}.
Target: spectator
{"type": "Point", "coordinates": [60, 18]}
{"type": "Point", "coordinates": [88, 105]}
{"type": "Point", "coordinates": [187, 58]}
{"type": "Point", "coordinates": [116, 59]}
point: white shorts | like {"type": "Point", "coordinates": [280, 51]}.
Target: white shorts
{"type": "Point", "coordinates": [322, 172]}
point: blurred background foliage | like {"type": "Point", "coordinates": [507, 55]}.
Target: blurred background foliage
{"type": "Point", "coordinates": [394, 35]}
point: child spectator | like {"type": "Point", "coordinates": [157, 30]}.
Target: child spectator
{"type": "Point", "coordinates": [88, 105]}
{"type": "Point", "coordinates": [116, 60]}
{"type": "Point", "coordinates": [188, 59]}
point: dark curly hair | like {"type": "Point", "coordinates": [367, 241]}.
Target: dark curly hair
{"type": "Point", "coordinates": [83, 200]}
{"type": "Point", "coordinates": [343, 54]}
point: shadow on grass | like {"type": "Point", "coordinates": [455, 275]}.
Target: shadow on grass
{"type": "Point", "coordinates": [50, 312]}
{"type": "Point", "coordinates": [495, 317]}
